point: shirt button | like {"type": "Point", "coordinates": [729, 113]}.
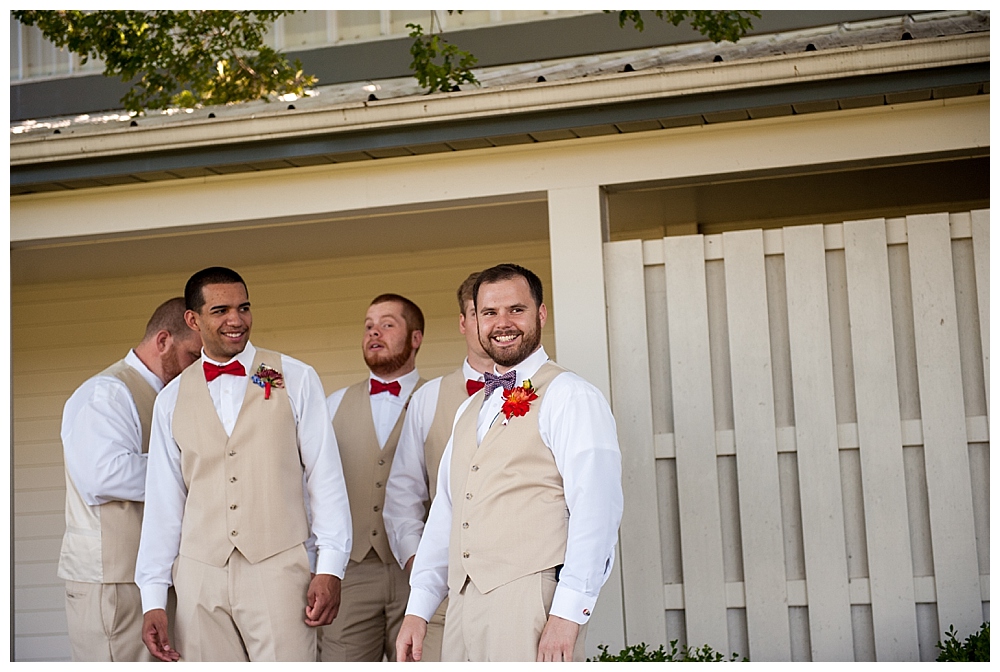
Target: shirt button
{"type": "Point", "coordinates": [465, 526]}
{"type": "Point", "coordinates": [232, 480]}
{"type": "Point", "coordinates": [465, 554]}
{"type": "Point", "coordinates": [234, 533]}
{"type": "Point", "coordinates": [232, 507]}
{"type": "Point", "coordinates": [475, 467]}
{"type": "Point", "coordinates": [468, 495]}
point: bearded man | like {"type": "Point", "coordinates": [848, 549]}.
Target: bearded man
{"type": "Point", "coordinates": [522, 531]}
{"type": "Point", "coordinates": [367, 421]}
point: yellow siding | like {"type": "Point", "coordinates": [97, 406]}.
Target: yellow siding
{"type": "Point", "coordinates": [63, 333]}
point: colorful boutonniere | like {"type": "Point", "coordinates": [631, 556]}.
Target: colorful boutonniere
{"type": "Point", "coordinates": [517, 401]}
{"type": "Point", "coordinates": [267, 378]}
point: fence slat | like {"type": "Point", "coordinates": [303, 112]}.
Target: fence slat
{"type": "Point", "coordinates": [756, 446]}
{"type": "Point", "coordinates": [816, 445]}
{"type": "Point", "coordinates": [981, 253]}
{"type": "Point", "coordinates": [694, 441]}
{"type": "Point", "coordinates": [642, 564]}
{"type": "Point", "coordinates": [888, 540]}
{"type": "Point", "coordinates": [942, 410]}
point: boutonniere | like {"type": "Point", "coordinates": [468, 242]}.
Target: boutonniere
{"type": "Point", "coordinates": [267, 378]}
{"type": "Point", "coordinates": [517, 400]}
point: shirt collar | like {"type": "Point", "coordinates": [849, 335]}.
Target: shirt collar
{"type": "Point", "coordinates": [133, 360]}
{"type": "Point", "coordinates": [528, 366]}
{"type": "Point", "coordinates": [469, 372]}
{"type": "Point", "coordinates": [406, 382]}
{"type": "Point", "coordinates": [245, 358]}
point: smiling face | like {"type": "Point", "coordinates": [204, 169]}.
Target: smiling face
{"type": "Point", "coordinates": [510, 323]}
{"type": "Point", "coordinates": [224, 320]}
{"type": "Point", "coordinates": [388, 345]}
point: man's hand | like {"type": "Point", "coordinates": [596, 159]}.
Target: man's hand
{"type": "Point", "coordinates": [322, 600]}
{"type": "Point", "coordinates": [558, 640]}
{"type": "Point", "coordinates": [410, 642]}
{"type": "Point", "coordinates": [154, 635]}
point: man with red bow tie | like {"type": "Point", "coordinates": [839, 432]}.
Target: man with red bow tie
{"type": "Point", "coordinates": [367, 420]}
{"type": "Point", "coordinates": [238, 440]}
{"type": "Point", "coordinates": [413, 478]}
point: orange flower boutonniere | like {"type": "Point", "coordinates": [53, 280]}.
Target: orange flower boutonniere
{"type": "Point", "coordinates": [517, 401]}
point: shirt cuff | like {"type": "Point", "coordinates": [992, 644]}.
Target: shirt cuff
{"type": "Point", "coordinates": [571, 605]}
{"type": "Point", "coordinates": [332, 562]}
{"type": "Point", "coordinates": [154, 596]}
{"type": "Point", "coordinates": [408, 548]}
{"type": "Point", "coordinates": [422, 603]}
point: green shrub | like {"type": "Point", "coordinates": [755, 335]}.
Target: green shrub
{"type": "Point", "coordinates": [640, 653]}
{"type": "Point", "coordinates": [975, 648]}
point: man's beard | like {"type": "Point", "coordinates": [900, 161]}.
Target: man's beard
{"type": "Point", "coordinates": [382, 363]}
{"type": "Point", "coordinates": [508, 358]}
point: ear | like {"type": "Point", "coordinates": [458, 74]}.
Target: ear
{"type": "Point", "coordinates": [543, 314]}
{"type": "Point", "coordinates": [461, 324]}
{"type": "Point", "coordinates": [163, 341]}
{"type": "Point", "coordinates": [191, 319]}
{"type": "Point", "coordinates": [416, 338]}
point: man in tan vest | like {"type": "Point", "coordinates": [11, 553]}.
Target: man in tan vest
{"type": "Point", "coordinates": [413, 478]}
{"type": "Point", "coordinates": [367, 420]}
{"type": "Point", "coordinates": [522, 531]}
{"type": "Point", "coordinates": [105, 435]}
{"type": "Point", "coordinates": [238, 441]}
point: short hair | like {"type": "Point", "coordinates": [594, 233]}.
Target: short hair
{"type": "Point", "coordinates": [502, 272]}
{"type": "Point", "coordinates": [465, 292]}
{"type": "Point", "coordinates": [412, 314]}
{"type": "Point", "coordinates": [194, 297]}
{"type": "Point", "coordinates": [169, 315]}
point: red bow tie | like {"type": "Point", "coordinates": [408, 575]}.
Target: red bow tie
{"type": "Point", "coordinates": [213, 371]}
{"type": "Point", "coordinates": [392, 388]}
{"type": "Point", "coordinates": [473, 386]}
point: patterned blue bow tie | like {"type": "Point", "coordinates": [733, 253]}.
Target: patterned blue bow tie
{"type": "Point", "coordinates": [506, 381]}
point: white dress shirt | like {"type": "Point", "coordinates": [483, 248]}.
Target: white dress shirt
{"type": "Point", "coordinates": [166, 494]}
{"type": "Point", "coordinates": [386, 407]}
{"type": "Point", "coordinates": [102, 438]}
{"type": "Point", "coordinates": [406, 493]}
{"type": "Point", "coordinates": [576, 424]}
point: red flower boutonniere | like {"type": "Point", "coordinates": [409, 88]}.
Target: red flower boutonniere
{"type": "Point", "coordinates": [267, 378]}
{"type": "Point", "coordinates": [518, 401]}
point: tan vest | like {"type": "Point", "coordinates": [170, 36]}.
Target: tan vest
{"type": "Point", "coordinates": [244, 490]}
{"type": "Point", "coordinates": [451, 394]}
{"type": "Point", "coordinates": [509, 514]}
{"type": "Point", "coordinates": [366, 468]}
{"type": "Point", "coordinates": [101, 542]}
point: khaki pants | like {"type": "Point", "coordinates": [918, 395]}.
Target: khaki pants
{"type": "Point", "coordinates": [504, 624]}
{"type": "Point", "coordinates": [105, 622]}
{"type": "Point", "coordinates": [372, 602]}
{"type": "Point", "coordinates": [244, 611]}
{"type": "Point", "coordinates": [435, 635]}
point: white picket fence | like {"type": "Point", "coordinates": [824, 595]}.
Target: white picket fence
{"type": "Point", "coordinates": [803, 415]}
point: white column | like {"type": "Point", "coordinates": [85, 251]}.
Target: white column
{"type": "Point", "coordinates": [579, 314]}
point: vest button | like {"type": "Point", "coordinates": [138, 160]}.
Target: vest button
{"type": "Point", "coordinates": [468, 495]}
{"type": "Point", "coordinates": [234, 533]}
{"type": "Point", "coordinates": [231, 453]}
{"type": "Point", "coordinates": [475, 467]}
{"type": "Point", "coordinates": [465, 526]}
{"type": "Point", "coordinates": [232, 480]}
{"type": "Point", "coordinates": [374, 533]}
{"type": "Point", "coordinates": [375, 508]}
{"type": "Point", "coordinates": [232, 507]}
{"type": "Point", "coordinates": [378, 484]}
{"type": "Point", "coordinates": [381, 462]}
{"type": "Point", "coordinates": [465, 554]}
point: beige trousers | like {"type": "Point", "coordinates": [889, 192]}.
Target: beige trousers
{"type": "Point", "coordinates": [372, 602]}
{"type": "Point", "coordinates": [105, 622]}
{"type": "Point", "coordinates": [504, 624]}
{"type": "Point", "coordinates": [244, 611]}
{"type": "Point", "coordinates": [435, 635]}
